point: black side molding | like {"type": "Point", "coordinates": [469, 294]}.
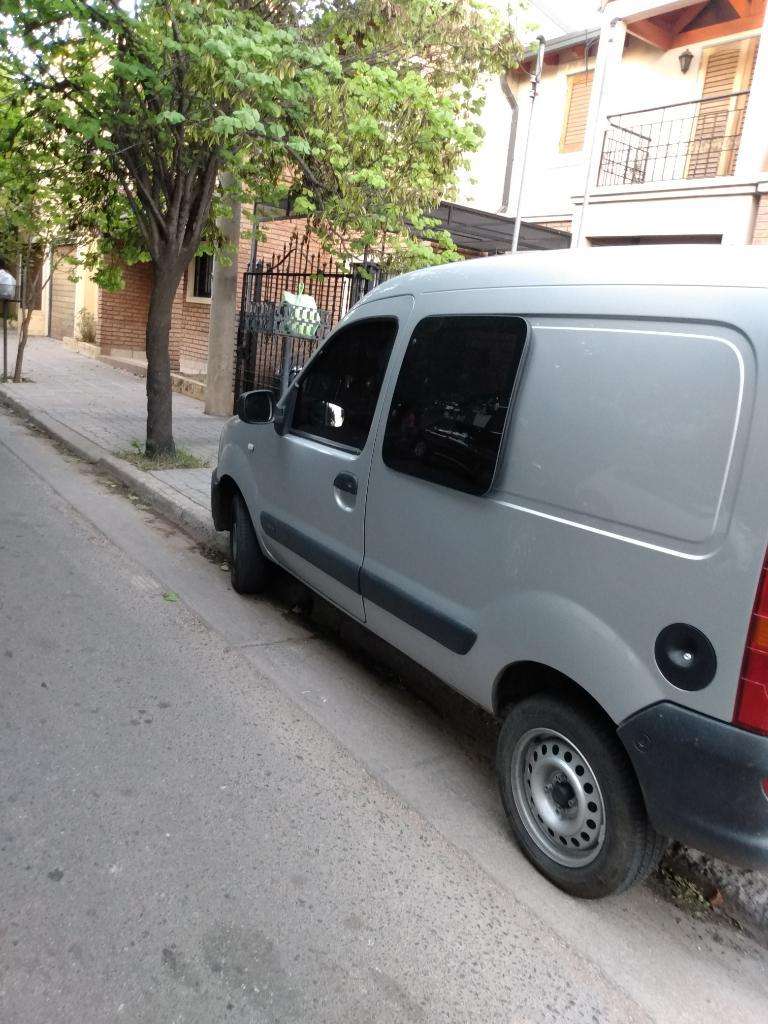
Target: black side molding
{"type": "Point", "coordinates": [320, 555]}
{"type": "Point", "coordinates": [446, 631]}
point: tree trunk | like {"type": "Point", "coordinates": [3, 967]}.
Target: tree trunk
{"type": "Point", "coordinates": [159, 392]}
{"type": "Point", "coordinates": [22, 344]}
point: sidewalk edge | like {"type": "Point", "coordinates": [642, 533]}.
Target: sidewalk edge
{"type": "Point", "coordinates": [166, 500]}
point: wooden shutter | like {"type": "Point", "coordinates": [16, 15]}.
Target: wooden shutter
{"type": "Point", "coordinates": [717, 128]}
{"type": "Point", "coordinates": [576, 111]}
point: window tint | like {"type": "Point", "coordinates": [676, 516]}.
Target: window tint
{"type": "Point", "coordinates": [451, 399]}
{"type": "Point", "coordinates": [337, 395]}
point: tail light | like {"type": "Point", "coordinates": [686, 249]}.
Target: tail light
{"type": "Point", "coordinates": [751, 710]}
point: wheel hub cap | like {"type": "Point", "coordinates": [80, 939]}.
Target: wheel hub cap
{"type": "Point", "coordinates": [558, 797]}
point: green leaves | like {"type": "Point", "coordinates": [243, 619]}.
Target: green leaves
{"type": "Point", "coordinates": [169, 117]}
{"type": "Point", "coordinates": [362, 113]}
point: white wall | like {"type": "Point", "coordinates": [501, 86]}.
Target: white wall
{"type": "Point", "coordinates": [729, 214]}
{"type": "Point", "coordinates": [483, 184]}
{"type": "Point", "coordinates": [646, 77]}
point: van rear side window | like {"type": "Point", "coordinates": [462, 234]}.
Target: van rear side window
{"type": "Point", "coordinates": [450, 403]}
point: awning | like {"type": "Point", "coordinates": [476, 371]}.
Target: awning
{"type": "Point", "coordinates": [480, 232]}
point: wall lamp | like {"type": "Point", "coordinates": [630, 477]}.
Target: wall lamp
{"type": "Point", "coordinates": [686, 59]}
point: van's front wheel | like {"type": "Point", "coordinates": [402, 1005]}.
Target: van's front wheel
{"type": "Point", "coordinates": [572, 798]}
{"type": "Point", "coordinates": [248, 566]}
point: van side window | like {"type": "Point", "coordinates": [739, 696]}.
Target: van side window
{"type": "Point", "coordinates": [451, 399]}
{"type": "Point", "coordinates": [337, 396]}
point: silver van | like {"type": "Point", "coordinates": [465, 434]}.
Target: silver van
{"type": "Point", "coordinates": [545, 478]}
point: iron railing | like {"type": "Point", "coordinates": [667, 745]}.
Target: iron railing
{"type": "Point", "coordinates": [272, 342]}
{"type": "Point", "coordinates": [697, 139]}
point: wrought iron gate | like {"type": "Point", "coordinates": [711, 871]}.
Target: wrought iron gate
{"type": "Point", "coordinates": [270, 351]}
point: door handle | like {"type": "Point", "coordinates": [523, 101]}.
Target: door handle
{"type": "Point", "coordinates": [345, 482]}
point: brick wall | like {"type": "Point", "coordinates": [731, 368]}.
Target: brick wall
{"type": "Point", "coordinates": [281, 234]}
{"type": "Point", "coordinates": [560, 225]}
{"type": "Point", "coordinates": [760, 233]}
{"type": "Point", "coordinates": [122, 316]}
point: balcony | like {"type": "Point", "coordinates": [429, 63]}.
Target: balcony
{"type": "Point", "coordinates": [698, 139]}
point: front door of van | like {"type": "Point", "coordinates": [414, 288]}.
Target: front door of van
{"type": "Point", "coordinates": [312, 480]}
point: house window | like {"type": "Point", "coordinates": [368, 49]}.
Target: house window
{"type": "Point", "coordinates": [200, 278]}
{"type": "Point", "coordinates": [451, 400]}
{"type": "Point", "coordinates": [576, 111]}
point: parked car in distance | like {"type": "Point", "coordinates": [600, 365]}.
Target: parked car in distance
{"type": "Point", "coordinates": [543, 477]}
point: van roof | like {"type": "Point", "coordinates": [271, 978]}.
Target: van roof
{"type": "Point", "coordinates": [702, 265]}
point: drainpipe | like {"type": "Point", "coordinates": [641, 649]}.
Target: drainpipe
{"type": "Point", "coordinates": [510, 98]}
{"type": "Point", "coordinates": [535, 79]}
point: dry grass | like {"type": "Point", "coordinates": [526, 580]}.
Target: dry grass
{"type": "Point", "coordinates": [182, 459]}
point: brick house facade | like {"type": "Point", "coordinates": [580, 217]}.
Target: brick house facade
{"type": "Point", "coordinates": [121, 317]}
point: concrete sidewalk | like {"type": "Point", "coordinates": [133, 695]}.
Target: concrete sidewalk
{"type": "Point", "coordinates": [97, 411]}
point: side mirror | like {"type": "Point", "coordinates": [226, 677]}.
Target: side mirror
{"type": "Point", "coordinates": [255, 406]}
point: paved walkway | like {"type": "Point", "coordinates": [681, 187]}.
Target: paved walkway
{"type": "Point", "coordinates": [108, 407]}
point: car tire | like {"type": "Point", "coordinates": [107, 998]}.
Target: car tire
{"type": "Point", "coordinates": [249, 568]}
{"type": "Point", "coordinates": [572, 798]}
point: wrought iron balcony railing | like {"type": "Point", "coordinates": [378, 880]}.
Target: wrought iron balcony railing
{"type": "Point", "coordinates": [698, 139]}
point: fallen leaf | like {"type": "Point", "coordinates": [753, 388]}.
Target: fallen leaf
{"type": "Point", "coordinates": [169, 595]}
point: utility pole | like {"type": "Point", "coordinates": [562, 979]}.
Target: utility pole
{"type": "Point", "coordinates": [535, 80]}
{"type": "Point", "coordinates": [7, 294]}
{"type": "Point", "coordinates": [223, 322]}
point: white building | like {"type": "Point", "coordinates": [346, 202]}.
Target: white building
{"type": "Point", "coordinates": [651, 124]}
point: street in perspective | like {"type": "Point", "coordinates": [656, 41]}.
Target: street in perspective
{"type": "Point", "coordinates": [383, 533]}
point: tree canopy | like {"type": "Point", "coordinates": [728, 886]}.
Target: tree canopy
{"type": "Point", "coordinates": [362, 112]}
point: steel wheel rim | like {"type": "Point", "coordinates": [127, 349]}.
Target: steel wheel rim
{"type": "Point", "coordinates": [558, 797]}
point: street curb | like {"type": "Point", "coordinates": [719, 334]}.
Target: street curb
{"type": "Point", "coordinates": [166, 500]}
{"type": "Point", "coordinates": [739, 894]}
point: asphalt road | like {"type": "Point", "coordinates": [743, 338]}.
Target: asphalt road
{"type": "Point", "coordinates": [208, 813]}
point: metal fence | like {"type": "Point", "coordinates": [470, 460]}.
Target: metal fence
{"type": "Point", "coordinates": [699, 139]}
{"type": "Point", "coordinates": [275, 338]}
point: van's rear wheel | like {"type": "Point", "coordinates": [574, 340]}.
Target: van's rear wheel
{"type": "Point", "coordinates": [248, 566]}
{"type": "Point", "coordinates": [572, 798]}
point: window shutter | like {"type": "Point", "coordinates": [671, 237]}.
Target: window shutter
{"type": "Point", "coordinates": [576, 111]}
{"type": "Point", "coordinates": [718, 123]}
{"type": "Point", "coordinates": [720, 74]}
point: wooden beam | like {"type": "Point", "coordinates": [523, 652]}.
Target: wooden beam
{"type": "Point", "coordinates": [686, 16]}
{"type": "Point", "coordinates": [742, 7]}
{"type": "Point", "coordinates": [722, 28]}
{"type": "Point", "coordinates": [651, 32]}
